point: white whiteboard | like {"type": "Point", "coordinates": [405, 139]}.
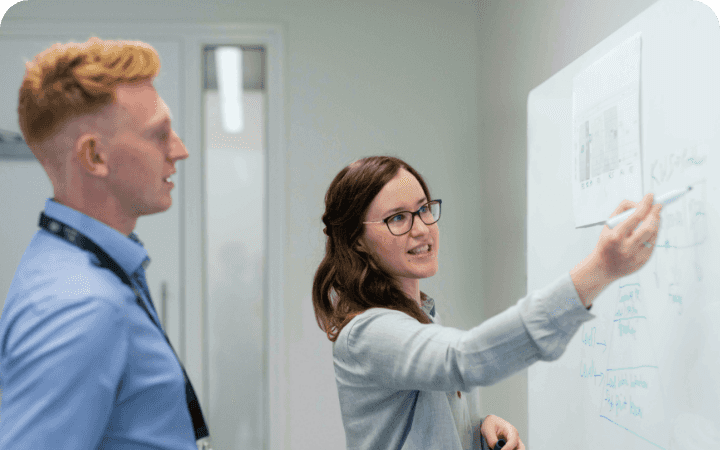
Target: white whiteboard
{"type": "Point", "coordinates": [645, 373]}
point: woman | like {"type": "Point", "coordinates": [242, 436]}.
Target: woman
{"type": "Point", "coordinates": [400, 374]}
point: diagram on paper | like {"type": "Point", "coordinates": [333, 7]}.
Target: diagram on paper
{"type": "Point", "coordinates": [606, 134]}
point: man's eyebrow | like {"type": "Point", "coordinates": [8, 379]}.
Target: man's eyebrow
{"type": "Point", "coordinates": [401, 208]}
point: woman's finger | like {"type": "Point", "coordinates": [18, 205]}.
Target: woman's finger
{"type": "Point", "coordinates": [512, 439]}
{"type": "Point", "coordinates": [623, 206]}
{"type": "Point", "coordinates": [631, 223]}
{"type": "Point", "coordinates": [651, 224]}
{"type": "Point", "coordinates": [495, 428]}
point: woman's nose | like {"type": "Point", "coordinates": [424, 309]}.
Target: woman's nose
{"type": "Point", "coordinates": [422, 227]}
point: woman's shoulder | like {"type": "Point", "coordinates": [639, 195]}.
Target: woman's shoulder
{"type": "Point", "coordinates": [374, 314]}
{"type": "Point", "coordinates": [373, 323]}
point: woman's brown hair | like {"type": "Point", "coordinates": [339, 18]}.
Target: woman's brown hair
{"type": "Point", "coordinates": [72, 80]}
{"type": "Point", "coordinates": [348, 281]}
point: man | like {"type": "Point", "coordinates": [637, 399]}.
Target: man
{"type": "Point", "coordinates": [84, 362]}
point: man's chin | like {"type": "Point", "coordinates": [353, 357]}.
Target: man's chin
{"type": "Point", "coordinates": [149, 210]}
{"type": "Point", "coordinates": [163, 208]}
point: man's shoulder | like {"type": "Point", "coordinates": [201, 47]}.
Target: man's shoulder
{"type": "Point", "coordinates": [60, 292]}
{"type": "Point", "coordinates": [49, 254]}
{"type": "Point", "coordinates": [54, 269]}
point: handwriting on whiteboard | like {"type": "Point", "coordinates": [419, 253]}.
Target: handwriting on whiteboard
{"type": "Point", "coordinates": [663, 169]}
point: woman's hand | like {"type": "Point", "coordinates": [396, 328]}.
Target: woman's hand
{"type": "Point", "coordinates": [494, 428]}
{"type": "Point", "coordinates": [627, 247]}
{"type": "Point", "coordinates": [620, 251]}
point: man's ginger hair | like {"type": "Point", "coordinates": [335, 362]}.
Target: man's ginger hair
{"type": "Point", "coordinates": [72, 80]}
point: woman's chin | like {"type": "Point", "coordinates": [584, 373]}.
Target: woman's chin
{"type": "Point", "coordinates": [425, 273]}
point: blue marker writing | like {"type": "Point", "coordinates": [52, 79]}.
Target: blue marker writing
{"type": "Point", "coordinates": [663, 200]}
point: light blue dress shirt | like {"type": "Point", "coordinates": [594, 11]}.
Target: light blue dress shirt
{"type": "Point", "coordinates": [398, 379]}
{"type": "Point", "coordinates": [82, 366]}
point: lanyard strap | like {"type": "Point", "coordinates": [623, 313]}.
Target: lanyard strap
{"type": "Point", "coordinates": [81, 241]}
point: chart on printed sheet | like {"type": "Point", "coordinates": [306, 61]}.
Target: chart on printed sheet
{"type": "Point", "coordinates": [606, 133]}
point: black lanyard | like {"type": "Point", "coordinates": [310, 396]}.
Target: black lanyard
{"type": "Point", "coordinates": [81, 241]}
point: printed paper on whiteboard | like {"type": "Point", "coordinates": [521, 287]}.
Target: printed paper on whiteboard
{"type": "Point", "coordinates": [606, 134]}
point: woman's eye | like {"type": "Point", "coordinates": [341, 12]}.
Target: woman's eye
{"type": "Point", "coordinates": [424, 209]}
{"type": "Point", "coordinates": [396, 218]}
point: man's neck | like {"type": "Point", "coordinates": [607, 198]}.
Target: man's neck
{"type": "Point", "coordinates": [105, 213]}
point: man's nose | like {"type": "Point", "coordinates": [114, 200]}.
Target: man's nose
{"type": "Point", "coordinates": [179, 151]}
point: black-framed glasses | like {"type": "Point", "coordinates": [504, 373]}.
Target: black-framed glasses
{"type": "Point", "coordinates": [402, 222]}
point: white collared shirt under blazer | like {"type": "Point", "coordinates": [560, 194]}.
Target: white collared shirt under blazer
{"type": "Point", "coordinates": [398, 379]}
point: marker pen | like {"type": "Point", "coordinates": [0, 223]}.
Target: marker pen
{"type": "Point", "coordinates": [663, 200]}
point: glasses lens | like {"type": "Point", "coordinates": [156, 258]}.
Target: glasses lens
{"type": "Point", "coordinates": [400, 223]}
{"type": "Point", "coordinates": [426, 214]}
{"type": "Point", "coordinates": [430, 213]}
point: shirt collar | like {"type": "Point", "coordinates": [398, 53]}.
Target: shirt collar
{"type": "Point", "coordinates": [428, 306]}
{"type": "Point", "coordinates": [128, 252]}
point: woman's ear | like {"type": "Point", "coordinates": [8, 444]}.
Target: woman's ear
{"type": "Point", "coordinates": [360, 245]}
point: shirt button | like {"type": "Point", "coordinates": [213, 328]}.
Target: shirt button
{"type": "Point", "coordinates": [459, 396]}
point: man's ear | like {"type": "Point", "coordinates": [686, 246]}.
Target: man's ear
{"type": "Point", "coordinates": [91, 155]}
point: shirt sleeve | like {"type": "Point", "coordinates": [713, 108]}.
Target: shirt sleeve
{"type": "Point", "coordinates": [63, 361]}
{"type": "Point", "coordinates": [390, 349]}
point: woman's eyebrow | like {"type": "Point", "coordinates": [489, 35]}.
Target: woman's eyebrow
{"type": "Point", "coordinates": [402, 208]}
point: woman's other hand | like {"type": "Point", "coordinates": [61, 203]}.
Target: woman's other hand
{"type": "Point", "coordinates": [494, 428]}
{"type": "Point", "coordinates": [620, 251]}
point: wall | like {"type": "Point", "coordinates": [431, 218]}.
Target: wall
{"type": "Point", "coordinates": [441, 83]}
{"type": "Point", "coordinates": [362, 78]}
